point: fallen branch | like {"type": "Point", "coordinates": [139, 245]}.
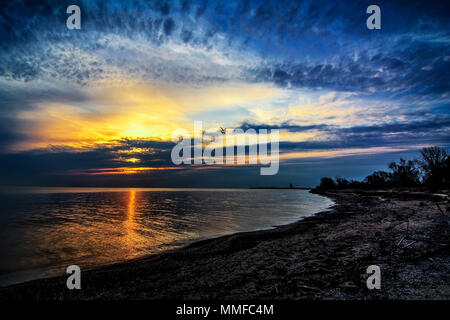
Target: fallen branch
{"type": "Point", "coordinates": [409, 244]}
{"type": "Point", "coordinates": [401, 240]}
{"type": "Point", "coordinates": [442, 212]}
{"type": "Point", "coordinates": [427, 240]}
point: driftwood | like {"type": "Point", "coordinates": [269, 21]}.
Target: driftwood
{"type": "Point", "coordinates": [443, 213]}
{"type": "Point", "coordinates": [409, 244]}
{"type": "Point", "coordinates": [427, 240]}
{"type": "Point", "coordinates": [401, 240]}
{"type": "Point", "coordinates": [309, 288]}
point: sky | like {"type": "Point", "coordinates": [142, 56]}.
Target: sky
{"type": "Point", "coordinates": [98, 106]}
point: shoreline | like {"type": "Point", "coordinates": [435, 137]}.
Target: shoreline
{"type": "Point", "coordinates": [182, 246]}
{"type": "Point", "coordinates": [306, 259]}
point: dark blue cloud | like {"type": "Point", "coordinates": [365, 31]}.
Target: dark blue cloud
{"type": "Point", "coordinates": [42, 164]}
{"type": "Point", "coordinates": [283, 126]}
{"type": "Point", "coordinates": [315, 40]}
{"type": "Point", "coordinates": [433, 131]}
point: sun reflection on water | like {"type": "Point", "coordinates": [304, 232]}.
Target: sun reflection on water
{"type": "Point", "coordinates": [131, 204]}
{"type": "Point", "coordinates": [131, 237]}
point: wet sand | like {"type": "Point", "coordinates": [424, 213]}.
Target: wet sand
{"type": "Point", "coordinates": [319, 257]}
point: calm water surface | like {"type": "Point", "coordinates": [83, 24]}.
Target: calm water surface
{"type": "Point", "coordinates": [42, 231]}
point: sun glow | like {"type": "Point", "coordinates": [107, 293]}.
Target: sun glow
{"type": "Point", "coordinates": [120, 170]}
{"type": "Point", "coordinates": [133, 111]}
{"type": "Point", "coordinates": [131, 160]}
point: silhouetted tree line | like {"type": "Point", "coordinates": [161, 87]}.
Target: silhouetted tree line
{"type": "Point", "coordinates": [432, 170]}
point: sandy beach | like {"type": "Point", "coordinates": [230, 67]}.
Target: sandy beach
{"type": "Point", "coordinates": [320, 257]}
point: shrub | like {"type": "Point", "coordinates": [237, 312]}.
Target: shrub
{"type": "Point", "coordinates": [327, 183]}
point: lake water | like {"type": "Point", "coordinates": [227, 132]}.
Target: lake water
{"type": "Point", "coordinates": [44, 230]}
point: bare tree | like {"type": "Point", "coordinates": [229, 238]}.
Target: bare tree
{"type": "Point", "coordinates": [404, 173]}
{"type": "Point", "coordinates": [434, 165]}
